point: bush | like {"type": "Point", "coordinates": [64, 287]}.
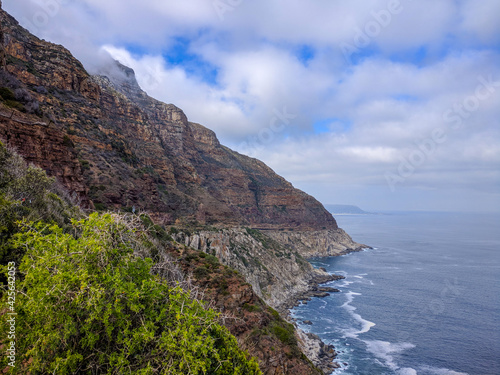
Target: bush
{"type": "Point", "coordinates": [100, 206]}
{"type": "Point", "coordinates": [212, 260]}
{"type": "Point", "coordinates": [68, 142]}
{"type": "Point", "coordinates": [252, 308]}
{"type": "Point", "coordinates": [7, 93]}
{"type": "Point", "coordinates": [26, 192]}
{"type": "Point", "coordinates": [89, 305]}
{"type": "Point", "coordinates": [284, 332]}
{"type": "Point", "coordinates": [15, 104]}
{"type": "Point", "coordinates": [201, 272]}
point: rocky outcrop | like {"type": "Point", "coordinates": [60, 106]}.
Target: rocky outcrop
{"type": "Point", "coordinates": [320, 354]}
{"type": "Point", "coordinates": [278, 275]}
{"type": "Point", "coordinates": [45, 145]}
{"type": "Point", "coordinates": [318, 243]}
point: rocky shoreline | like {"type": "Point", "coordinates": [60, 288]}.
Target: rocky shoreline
{"type": "Point", "coordinates": [321, 354]}
{"type": "Point", "coordinates": [314, 290]}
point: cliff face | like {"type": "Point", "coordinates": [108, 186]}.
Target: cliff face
{"type": "Point", "coordinates": [47, 147]}
{"type": "Point", "coordinates": [137, 151]}
{"type": "Point", "coordinates": [277, 274]}
{"type": "Point", "coordinates": [320, 243]}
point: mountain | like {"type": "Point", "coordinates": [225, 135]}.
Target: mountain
{"type": "Point", "coordinates": [115, 148]}
{"type": "Point", "coordinates": [136, 151]}
{"type": "Point", "coordinates": [345, 209]}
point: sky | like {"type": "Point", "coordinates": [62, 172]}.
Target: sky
{"type": "Point", "coordinates": [384, 104]}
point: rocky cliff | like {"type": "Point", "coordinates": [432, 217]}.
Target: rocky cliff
{"type": "Point", "coordinates": [277, 274]}
{"type": "Point", "coordinates": [316, 243]}
{"type": "Point", "coordinates": [137, 151]}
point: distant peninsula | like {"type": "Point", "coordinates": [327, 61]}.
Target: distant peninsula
{"type": "Point", "coordinates": [345, 209]}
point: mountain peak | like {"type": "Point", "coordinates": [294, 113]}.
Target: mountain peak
{"type": "Point", "coordinates": [121, 77]}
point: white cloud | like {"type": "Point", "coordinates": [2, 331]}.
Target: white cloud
{"type": "Point", "coordinates": [480, 20]}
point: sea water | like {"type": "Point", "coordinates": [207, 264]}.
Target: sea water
{"type": "Point", "coordinates": [424, 300]}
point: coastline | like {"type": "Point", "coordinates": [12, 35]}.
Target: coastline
{"type": "Point", "coordinates": [321, 354]}
{"type": "Point", "coordinates": [320, 276]}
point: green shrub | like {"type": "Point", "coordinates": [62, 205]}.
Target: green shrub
{"type": "Point", "coordinates": [191, 256]}
{"type": "Point", "coordinates": [26, 192]}
{"type": "Point", "coordinates": [251, 308]}
{"type": "Point", "coordinates": [201, 272]}
{"type": "Point", "coordinates": [7, 94]}
{"type": "Point", "coordinates": [100, 206]}
{"type": "Point", "coordinates": [15, 104]}
{"type": "Point", "coordinates": [89, 305]}
{"type": "Point", "coordinates": [68, 142]}
{"type": "Point", "coordinates": [173, 230]}
{"type": "Point", "coordinates": [85, 164]}
{"type": "Point", "coordinates": [284, 332]}
{"type": "Point", "coordinates": [212, 260]}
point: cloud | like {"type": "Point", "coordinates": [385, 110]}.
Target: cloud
{"type": "Point", "coordinates": [480, 20]}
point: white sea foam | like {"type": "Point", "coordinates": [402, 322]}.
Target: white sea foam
{"type": "Point", "coordinates": [350, 298]}
{"type": "Point", "coordinates": [345, 283]}
{"type": "Point", "coordinates": [407, 371]}
{"type": "Point", "coordinates": [324, 303]}
{"type": "Point", "coordinates": [385, 351]}
{"type": "Point", "coordinates": [365, 324]}
{"type": "Point", "coordinates": [323, 264]}
{"type": "Point", "coordinates": [440, 371]}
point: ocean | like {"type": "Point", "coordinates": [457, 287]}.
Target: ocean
{"type": "Point", "coordinates": [425, 300]}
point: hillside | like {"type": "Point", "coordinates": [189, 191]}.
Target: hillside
{"type": "Point", "coordinates": [134, 250]}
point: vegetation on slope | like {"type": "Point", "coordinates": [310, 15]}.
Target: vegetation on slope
{"type": "Point", "coordinates": [26, 192]}
{"type": "Point", "coordinates": [87, 300]}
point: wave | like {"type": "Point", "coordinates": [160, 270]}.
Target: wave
{"type": "Point", "coordinates": [440, 371]}
{"type": "Point", "coordinates": [365, 324]}
{"type": "Point", "coordinates": [340, 272]}
{"type": "Point", "coordinates": [316, 262]}
{"type": "Point", "coordinates": [345, 283]}
{"type": "Point", "coordinates": [385, 351]}
{"type": "Point", "coordinates": [406, 371]}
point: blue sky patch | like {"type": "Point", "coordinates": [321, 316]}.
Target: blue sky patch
{"type": "Point", "coordinates": [180, 54]}
{"type": "Point", "coordinates": [305, 53]}
{"type": "Point", "coordinates": [330, 125]}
